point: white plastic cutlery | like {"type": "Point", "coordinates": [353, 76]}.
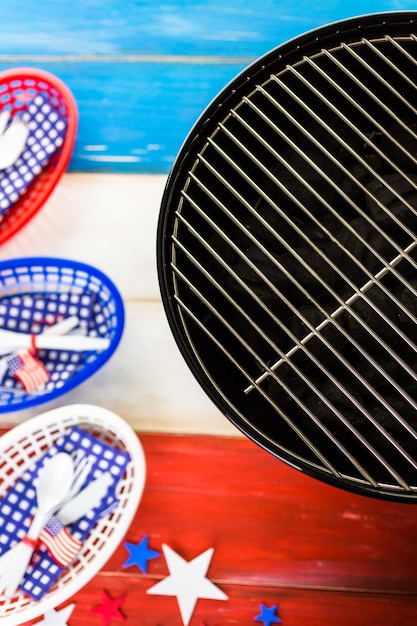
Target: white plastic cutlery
{"type": "Point", "coordinates": [82, 468]}
{"type": "Point", "coordinates": [54, 481]}
{"type": "Point", "coordinates": [12, 139]}
{"type": "Point", "coordinates": [4, 118]}
{"type": "Point", "coordinates": [85, 500]}
{"type": "Point", "coordinates": [11, 341]}
{"type": "Point", "coordinates": [60, 328]}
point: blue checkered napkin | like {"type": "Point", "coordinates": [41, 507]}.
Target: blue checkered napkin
{"type": "Point", "coordinates": [46, 134]}
{"type": "Point", "coordinates": [32, 313]}
{"type": "Point", "coordinates": [19, 505]}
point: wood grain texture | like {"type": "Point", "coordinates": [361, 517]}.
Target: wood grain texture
{"type": "Point", "coordinates": [324, 556]}
{"type": "Point", "coordinates": [134, 116]}
{"type": "Point", "coordinates": [234, 28]}
{"type": "Point", "coordinates": [295, 607]}
{"type": "Point", "coordinates": [110, 221]}
{"type": "Point", "coordinates": [268, 523]}
{"type": "Point", "coordinates": [146, 382]}
{"type": "Point", "coordinates": [143, 72]}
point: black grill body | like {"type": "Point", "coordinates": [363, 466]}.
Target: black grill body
{"type": "Point", "coordinates": [287, 253]}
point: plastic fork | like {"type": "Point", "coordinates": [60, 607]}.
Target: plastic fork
{"type": "Point", "coordinates": [82, 467]}
{"type": "Point", "coordinates": [12, 139]}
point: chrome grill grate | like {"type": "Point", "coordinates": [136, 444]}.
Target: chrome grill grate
{"type": "Point", "coordinates": [288, 262]}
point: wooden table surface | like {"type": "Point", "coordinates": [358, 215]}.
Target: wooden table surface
{"type": "Point", "coordinates": [146, 381]}
{"type": "Point", "coordinates": [142, 72]}
{"type": "Point", "coordinates": [320, 555]}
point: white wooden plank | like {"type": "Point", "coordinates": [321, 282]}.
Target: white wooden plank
{"type": "Point", "coordinates": [146, 382]}
{"type": "Point", "coordinates": [109, 221]}
{"type": "Point", "coordinates": [174, 27]}
{"type": "Point", "coordinates": [142, 72]}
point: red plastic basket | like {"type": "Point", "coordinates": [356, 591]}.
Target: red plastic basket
{"type": "Point", "coordinates": [17, 87]}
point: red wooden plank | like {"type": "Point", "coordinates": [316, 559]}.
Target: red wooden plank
{"type": "Point", "coordinates": [295, 607]}
{"type": "Point", "coordinates": [268, 523]}
{"type": "Point", "coordinates": [323, 555]}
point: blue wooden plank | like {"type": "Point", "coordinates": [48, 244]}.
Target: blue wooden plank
{"type": "Point", "coordinates": [133, 117]}
{"type": "Point", "coordinates": [233, 28]}
{"type": "Point", "coordinates": [142, 71]}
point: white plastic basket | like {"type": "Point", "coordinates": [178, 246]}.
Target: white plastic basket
{"type": "Point", "coordinates": [22, 446]}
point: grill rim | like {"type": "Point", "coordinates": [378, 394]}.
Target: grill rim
{"type": "Point", "coordinates": [230, 96]}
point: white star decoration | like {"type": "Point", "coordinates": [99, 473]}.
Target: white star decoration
{"type": "Point", "coordinates": [187, 581]}
{"type": "Point", "coordinates": [57, 618]}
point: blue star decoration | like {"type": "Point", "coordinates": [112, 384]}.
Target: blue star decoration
{"type": "Point", "coordinates": [140, 554]}
{"type": "Point", "coordinates": [267, 616]}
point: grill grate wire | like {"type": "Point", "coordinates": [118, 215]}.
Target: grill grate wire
{"type": "Point", "coordinates": [293, 257]}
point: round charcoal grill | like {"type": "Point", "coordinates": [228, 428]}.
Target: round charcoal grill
{"type": "Point", "coordinates": [287, 253]}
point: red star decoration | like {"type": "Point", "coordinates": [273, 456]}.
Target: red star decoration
{"type": "Point", "coordinates": [109, 609]}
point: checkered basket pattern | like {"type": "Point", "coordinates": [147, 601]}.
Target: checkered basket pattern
{"type": "Point", "coordinates": [18, 88]}
{"type": "Point", "coordinates": [62, 287]}
{"type": "Point", "coordinates": [25, 444]}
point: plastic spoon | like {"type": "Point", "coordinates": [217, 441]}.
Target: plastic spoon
{"type": "Point", "coordinates": [54, 482]}
{"type": "Point", "coordinates": [12, 140]}
{"type": "Point", "coordinates": [4, 118]}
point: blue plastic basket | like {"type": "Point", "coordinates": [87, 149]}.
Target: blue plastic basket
{"type": "Point", "coordinates": [57, 278]}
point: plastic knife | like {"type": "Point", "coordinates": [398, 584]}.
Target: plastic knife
{"type": "Point", "coordinates": [85, 500]}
